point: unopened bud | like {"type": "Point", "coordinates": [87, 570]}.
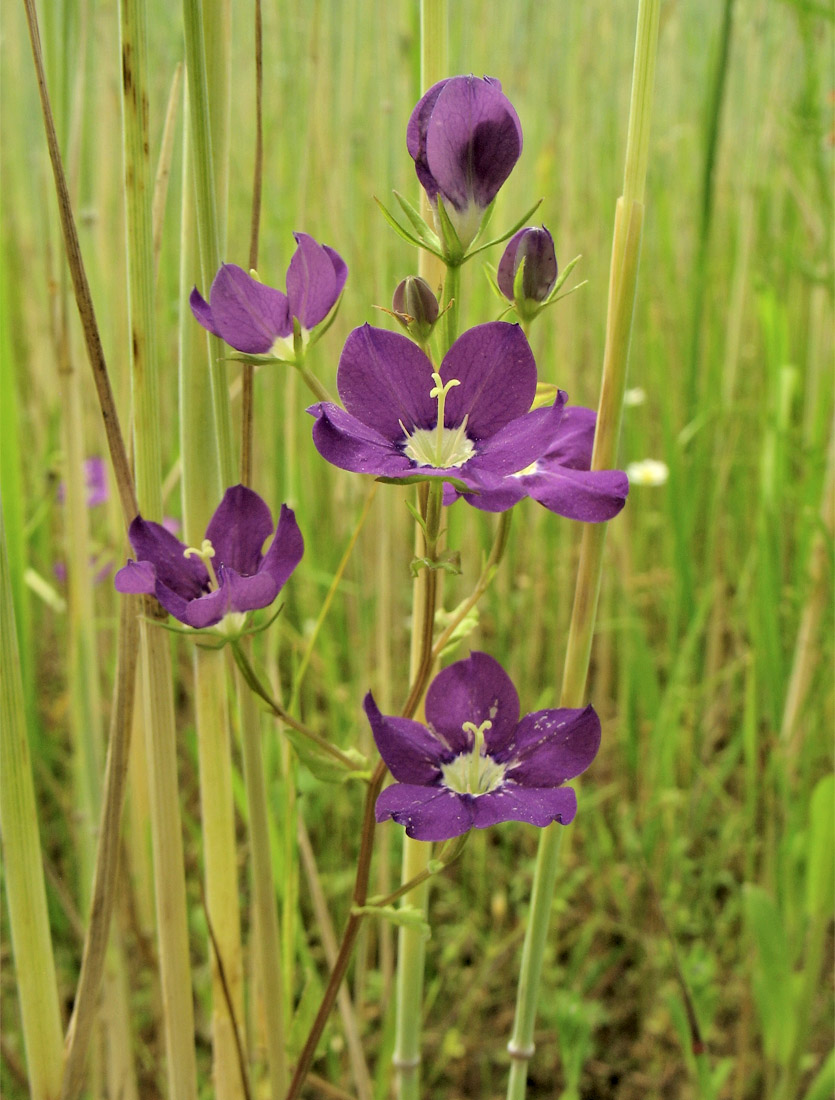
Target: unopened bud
{"type": "Point", "coordinates": [532, 250]}
{"type": "Point", "coordinates": [416, 307]}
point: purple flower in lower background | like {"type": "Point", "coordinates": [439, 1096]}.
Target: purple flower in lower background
{"type": "Point", "coordinates": [470, 420]}
{"type": "Point", "coordinates": [561, 480]}
{"type": "Point", "coordinates": [474, 763]}
{"type": "Point", "coordinates": [464, 137]}
{"type": "Point", "coordinates": [228, 574]}
{"type": "Point", "coordinates": [95, 481]}
{"type": "Point", "coordinates": [257, 319]}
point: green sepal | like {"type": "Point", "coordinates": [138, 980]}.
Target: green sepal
{"type": "Point", "coordinates": [428, 235]}
{"type": "Point", "coordinates": [255, 360]}
{"type": "Point", "coordinates": [505, 236]}
{"type": "Point", "coordinates": [448, 560]}
{"type": "Point", "coordinates": [416, 479]}
{"type": "Point", "coordinates": [405, 916]}
{"type": "Point", "coordinates": [322, 766]}
{"type": "Point", "coordinates": [546, 393]}
{"type": "Point", "coordinates": [486, 218]}
{"type": "Point", "coordinates": [404, 234]}
{"type": "Point", "coordinates": [414, 511]}
{"type": "Point", "coordinates": [319, 331]}
{"type": "Point", "coordinates": [453, 251]}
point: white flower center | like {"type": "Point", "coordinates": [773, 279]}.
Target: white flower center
{"type": "Point", "coordinates": [439, 447]}
{"type": "Point", "coordinates": [473, 772]}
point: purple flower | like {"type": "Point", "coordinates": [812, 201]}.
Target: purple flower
{"type": "Point", "coordinates": [474, 763]}
{"type": "Point", "coordinates": [228, 575]}
{"type": "Point", "coordinates": [561, 480]}
{"type": "Point", "coordinates": [464, 137]}
{"type": "Point", "coordinates": [95, 481]}
{"type": "Point", "coordinates": [539, 273]}
{"type": "Point", "coordinates": [469, 421]}
{"type": "Point", "coordinates": [256, 319]}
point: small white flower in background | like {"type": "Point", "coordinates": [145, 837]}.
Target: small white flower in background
{"type": "Point", "coordinates": [649, 471]}
{"type": "Point", "coordinates": [633, 397]}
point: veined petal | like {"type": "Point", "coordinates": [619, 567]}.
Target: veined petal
{"type": "Point", "coordinates": [473, 140]}
{"type": "Point", "coordinates": [429, 813]}
{"type": "Point", "coordinates": [536, 806]}
{"type": "Point", "coordinates": [286, 550]}
{"type": "Point", "coordinates": [550, 746]}
{"type": "Point", "coordinates": [246, 593]}
{"type": "Point", "coordinates": [202, 312]}
{"type": "Point", "coordinates": [384, 380]}
{"type": "Point", "coordinates": [412, 754]}
{"type": "Point", "coordinates": [348, 443]}
{"type": "Point", "coordinates": [575, 440]}
{"type": "Point", "coordinates": [136, 577]}
{"type": "Point", "coordinates": [312, 284]}
{"type": "Point", "coordinates": [238, 529]}
{"type": "Point", "coordinates": [591, 496]}
{"type": "Point", "coordinates": [187, 577]}
{"type": "Point", "coordinates": [248, 315]}
{"type": "Point", "coordinates": [416, 137]}
{"type": "Point", "coordinates": [474, 690]}
{"type": "Point", "coordinates": [522, 441]}
{"type": "Point", "coordinates": [497, 372]}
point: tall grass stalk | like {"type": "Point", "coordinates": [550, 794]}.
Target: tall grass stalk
{"type": "Point", "coordinates": [434, 66]}
{"type": "Point", "coordinates": [622, 288]}
{"type": "Point", "coordinates": [157, 696]}
{"type": "Point", "coordinates": [25, 892]}
{"type": "Point", "coordinates": [201, 491]}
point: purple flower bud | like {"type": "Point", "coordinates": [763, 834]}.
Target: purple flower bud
{"type": "Point", "coordinates": [464, 137]}
{"type": "Point", "coordinates": [416, 306]}
{"type": "Point", "coordinates": [539, 275]}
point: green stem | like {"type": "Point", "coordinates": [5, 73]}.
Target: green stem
{"type": "Point", "coordinates": [265, 914]}
{"type": "Point", "coordinates": [622, 287]}
{"type": "Point", "coordinates": [257, 685]}
{"type": "Point", "coordinates": [313, 384]}
{"type": "Point", "coordinates": [25, 891]}
{"type": "Point", "coordinates": [452, 290]}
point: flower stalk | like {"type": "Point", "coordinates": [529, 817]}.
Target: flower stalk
{"type": "Point", "coordinates": [622, 288]}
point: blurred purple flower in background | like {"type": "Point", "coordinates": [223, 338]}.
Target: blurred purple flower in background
{"type": "Point", "coordinates": [464, 137]}
{"type": "Point", "coordinates": [228, 574]}
{"type": "Point", "coordinates": [95, 481]}
{"type": "Point", "coordinates": [256, 319]}
{"type": "Point", "coordinates": [470, 420]}
{"type": "Point", "coordinates": [561, 479]}
{"type": "Point", "coordinates": [474, 763]}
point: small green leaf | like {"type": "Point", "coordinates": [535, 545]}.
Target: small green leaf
{"type": "Point", "coordinates": [453, 252]}
{"type": "Point", "coordinates": [449, 561]}
{"type": "Point", "coordinates": [324, 767]}
{"type": "Point", "coordinates": [424, 231]}
{"type": "Point", "coordinates": [416, 479]}
{"type": "Point", "coordinates": [404, 234]}
{"type": "Point", "coordinates": [406, 916]}
{"type": "Point", "coordinates": [505, 236]}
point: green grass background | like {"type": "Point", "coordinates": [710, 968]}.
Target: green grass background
{"type": "Point", "coordinates": [696, 808]}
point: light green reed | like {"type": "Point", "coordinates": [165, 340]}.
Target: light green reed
{"type": "Point", "coordinates": [202, 490]}
{"type": "Point", "coordinates": [157, 682]}
{"type": "Point", "coordinates": [29, 919]}
{"type": "Point", "coordinates": [622, 286]}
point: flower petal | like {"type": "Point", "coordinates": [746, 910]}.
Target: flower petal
{"type": "Point", "coordinates": [202, 312]}
{"type": "Point", "coordinates": [416, 136]}
{"type": "Point", "coordinates": [575, 439]}
{"type": "Point", "coordinates": [429, 813]}
{"type": "Point", "coordinates": [473, 140]}
{"type": "Point", "coordinates": [286, 550]}
{"type": "Point", "coordinates": [475, 690]}
{"type": "Point", "coordinates": [521, 442]}
{"type": "Point", "coordinates": [348, 443]}
{"type": "Point", "coordinates": [412, 754]}
{"type": "Point", "coordinates": [534, 805]}
{"type": "Point", "coordinates": [136, 577]}
{"type": "Point", "coordinates": [246, 593]}
{"type": "Point", "coordinates": [248, 315]}
{"type": "Point", "coordinates": [550, 746]}
{"type": "Point", "coordinates": [497, 372]}
{"type": "Point", "coordinates": [384, 380]}
{"type": "Point", "coordinates": [312, 284]}
{"type": "Point", "coordinates": [238, 529]}
{"type": "Point", "coordinates": [187, 577]}
{"type": "Point", "coordinates": [592, 496]}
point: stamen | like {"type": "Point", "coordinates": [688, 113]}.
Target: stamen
{"type": "Point", "coordinates": [475, 759]}
{"type": "Point", "coordinates": [206, 552]}
{"type": "Point", "coordinates": [439, 390]}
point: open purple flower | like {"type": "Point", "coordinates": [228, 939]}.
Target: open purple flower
{"type": "Point", "coordinates": [257, 319]}
{"type": "Point", "coordinates": [539, 274]}
{"type": "Point", "coordinates": [464, 137]}
{"type": "Point", "coordinates": [228, 574]}
{"type": "Point", "coordinates": [469, 420]}
{"type": "Point", "coordinates": [561, 479]}
{"type": "Point", "coordinates": [474, 763]}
